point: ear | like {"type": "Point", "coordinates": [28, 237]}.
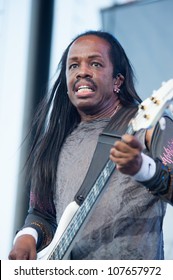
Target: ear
{"type": "Point", "coordinates": [119, 80]}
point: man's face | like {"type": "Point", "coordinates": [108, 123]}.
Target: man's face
{"type": "Point", "coordinates": [89, 75]}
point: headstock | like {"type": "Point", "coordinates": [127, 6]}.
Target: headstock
{"type": "Point", "coordinates": [151, 109]}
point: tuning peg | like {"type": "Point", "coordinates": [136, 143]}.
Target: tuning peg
{"type": "Point", "coordinates": [162, 123]}
{"type": "Point", "coordinates": [155, 100]}
{"type": "Point", "coordinates": [142, 107]}
{"type": "Point", "coordinates": [147, 116]}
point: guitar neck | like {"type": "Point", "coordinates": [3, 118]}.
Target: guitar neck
{"type": "Point", "coordinates": [130, 130]}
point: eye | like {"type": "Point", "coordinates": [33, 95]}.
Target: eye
{"type": "Point", "coordinates": [73, 66]}
{"type": "Point", "coordinates": [96, 64]}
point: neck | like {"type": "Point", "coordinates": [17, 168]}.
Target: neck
{"type": "Point", "coordinates": [108, 113]}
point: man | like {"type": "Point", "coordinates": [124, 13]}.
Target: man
{"type": "Point", "coordinates": [94, 86]}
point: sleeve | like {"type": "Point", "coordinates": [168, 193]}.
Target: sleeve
{"type": "Point", "coordinates": [161, 150]}
{"type": "Point", "coordinates": [41, 217]}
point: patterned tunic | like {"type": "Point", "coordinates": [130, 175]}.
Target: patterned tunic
{"type": "Point", "coordinates": [126, 222]}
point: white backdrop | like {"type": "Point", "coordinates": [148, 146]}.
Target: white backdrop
{"type": "Point", "coordinates": [14, 38]}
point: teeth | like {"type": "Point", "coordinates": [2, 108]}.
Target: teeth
{"type": "Point", "coordinates": [81, 88]}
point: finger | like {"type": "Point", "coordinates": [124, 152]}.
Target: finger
{"type": "Point", "coordinates": [33, 255]}
{"type": "Point", "coordinates": [132, 141]}
{"type": "Point", "coordinates": [116, 153]}
{"type": "Point", "coordinates": [121, 161]}
{"type": "Point", "coordinates": [18, 256]}
{"type": "Point", "coordinates": [121, 147]}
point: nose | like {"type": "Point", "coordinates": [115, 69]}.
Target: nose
{"type": "Point", "coordinates": [84, 71]}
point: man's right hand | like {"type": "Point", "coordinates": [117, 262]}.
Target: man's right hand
{"type": "Point", "coordinates": [24, 248]}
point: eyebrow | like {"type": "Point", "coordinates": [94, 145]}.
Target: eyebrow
{"type": "Point", "coordinates": [73, 58]}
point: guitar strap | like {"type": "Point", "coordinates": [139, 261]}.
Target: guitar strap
{"type": "Point", "coordinates": [116, 127]}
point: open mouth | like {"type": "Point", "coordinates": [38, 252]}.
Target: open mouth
{"type": "Point", "coordinates": [84, 90]}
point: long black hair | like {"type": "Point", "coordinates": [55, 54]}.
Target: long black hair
{"type": "Point", "coordinates": [56, 117]}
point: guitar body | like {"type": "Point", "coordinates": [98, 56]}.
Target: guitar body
{"type": "Point", "coordinates": [67, 216]}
